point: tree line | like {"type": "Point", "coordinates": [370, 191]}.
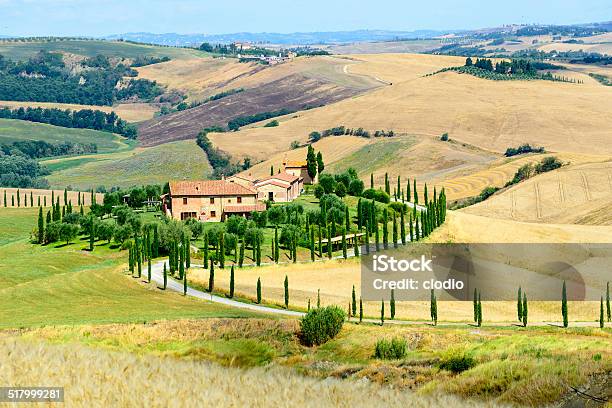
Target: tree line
{"type": "Point", "coordinates": [35, 149]}
{"type": "Point", "coordinates": [78, 119]}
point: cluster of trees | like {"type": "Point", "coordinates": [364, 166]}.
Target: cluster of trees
{"type": "Point", "coordinates": [529, 170]}
{"type": "Point", "coordinates": [136, 196]}
{"type": "Point", "coordinates": [79, 119]}
{"type": "Point", "coordinates": [512, 67]}
{"type": "Point", "coordinates": [45, 78]}
{"type": "Point", "coordinates": [342, 130]}
{"type": "Point", "coordinates": [20, 171]}
{"type": "Point", "coordinates": [237, 123]}
{"type": "Point", "coordinates": [340, 184]}
{"type": "Point", "coordinates": [219, 160]}
{"type": "Point", "coordinates": [35, 149]}
{"type": "Point", "coordinates": [523, 149]}
{"type": "Point", "coordinates": [142, 61]}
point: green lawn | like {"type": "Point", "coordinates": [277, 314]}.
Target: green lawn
{"type": "Point", "coordinates": [154, 165]}
{"type": "Point", "coordinates": [57, 284]}
{"type": "Point", "coordinates": [25, 50]}
{"type": "Point", "coordinates": [12, 130]}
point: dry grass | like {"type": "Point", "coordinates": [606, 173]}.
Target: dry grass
{"type": "Point", "coordinates": [577, 194]}
{"type": "Point", "coordinates": [97, 378]}
{"type": "Point", "coordinates": [335, 280]}
{"type": "Point", "coordinates": [132, 112]}
{"type": "Point", "coordinates": [73, 196]}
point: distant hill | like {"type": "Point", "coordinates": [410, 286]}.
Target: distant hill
{"type": "Point", "coordinates": [329, 37]}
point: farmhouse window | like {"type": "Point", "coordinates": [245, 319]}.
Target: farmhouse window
{"type": "Point", "coordinates": [213, 214]}
{"type": "Point", "coordinates": [212, 200]}
{"type": "Point", "coordinates": [184, 200]}
{"type": "Point", "coordinates": [239, 200]}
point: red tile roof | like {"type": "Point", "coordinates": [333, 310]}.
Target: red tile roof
{"type": "Point", "coordinates": [285, 177]}
{"type": "Point", "coordinates": [246, 208]}
{"type": "Point", "coordinates": [209, 188]}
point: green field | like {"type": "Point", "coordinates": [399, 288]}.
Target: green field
{"type": "Point", "coordinates": [154, 165]}
{"type": "Point", "coordinates": [12, 130]}
{"type": "Point", "coordinates": [90, 48]}
{"type": "Point", "coordinates": [57, 284]}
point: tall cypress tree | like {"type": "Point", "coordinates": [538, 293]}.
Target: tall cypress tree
{"type": "Point", "coordinates": [433, 308]}
{"type": "Point", "coordinates": [367, 237]}
{"type": "Point", "coordinates": [377, 237]}
{"type": "Point", "coordinates": [320, 238]}
{"type": "Point", "coordinates": [564, 305]}
{"type": "Point", "coordinates": [185, 283]}
{"type": "Point", "coordinates": [330, 247]}
{"type": "Point", "coordinates": [18, 198]}
{"type": "Point", "coordinates": [258, 253]}
{"type": "Point", "coordinates": [354, 301]}
{"type": "Point", "coordinates": [155, 249]}
{"type": "Point", "coordinates": [165, 277]}
{"type": "Point", "coordinates": [5, 203]}
{"type": "Point", "coordinates": [524, 309]}
{"type": "Point", "coordinates": [387, 186]}
{"type": "Point", "coordinates": [286, 284]}
{"type": "Point", "coordinates": [138, 256]}
{"type": "Point", "coordinates": [187, 253]}
{"type": "Point", "coordinates": [519, 305]}
{"type": "Point", "coordinates": [601, 313]}
{"type": "Point", "coordinates": [221, 249]}
{"type": "Point", "coordinates": [149, 259]}
{"type": "Point", "coordinates": [312, 245]}
{"type": "Point", "coordinates": [411, 227]}
{"type": "Point", "coordinates": [371, 180]}
{"type": "Point", "coordinates": [395, 237]}
{"type": "Point", "coordinates": [31, 200]}
{"type": "Point", "coordinates": [392, 303]}
{"type": "Point", "coordinates": [475, 304]}
{"type": "Point", "coordinates": [181, 265]}
{"type": "Point", "coordinates": [426, 195]}
{"type": "Point", "coordinates": [402, 227]}
{"type": "Point", "coordinates": [276, 245]}
{"type": "Point", "coordinates": [359, 215]}
{"type": "Point", "coordinates": [205, 250]}
{"type": "Point", "coordinates": [344, 247]}
{"type": "Point", "coordinates": [41, 226]}
{"type": "Point", "coordinates": [360, 310]}
{"type": "Point", "coordinates": [399, 187]}
{"type": "Point", "coordinates": [479, 322]}
{"type": "Point", "coordinates": [355, 246]}
{"type": "Point", "coordinates": [318, 298]}
{"type": "Point", "coordinates": [231, 284]}
{"type": "Point", "coordinates": [382, 312]}
{"type": "Point", "coordinates": [385, 228]}
{"type": "Point", "coordinates": [211, 277]}
{"type": "Point", "coordinates": [414, 192]}
{"type": "Point", "coordinates": [347, 219]}
{"type": "Point", "coordinates": [241, 256]}
{"type": "Point", "coordinates": [258, 290]}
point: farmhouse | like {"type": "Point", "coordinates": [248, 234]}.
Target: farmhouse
{"type": "Point", "coordinates": [281, 188]}
{"type": "Point", "coordinates": [212, 200]}
{"type": "Point", "coordinates": [299, 168]}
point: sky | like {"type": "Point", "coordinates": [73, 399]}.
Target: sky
{"type": "Point", "coordinates": [99, 18]}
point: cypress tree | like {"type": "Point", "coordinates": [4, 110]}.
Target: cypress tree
{"type": "Point", "coordinates": [18, 199]}
{"type": "Point", "coordinates": [320, 242]}
{"type": "Point", "coordinates": [276, 246]}
{"type": "Point", "coordinates": [52, 197]}
{"type": "Point", "coordinates": [415, 193]}
{"type": "Point", "coordinates": [356, 246]}
{"type": "Point", "coordinates": [44, 201]}
{"type": "Point", "coordinates": [395, 237]}
{"type": "Point", "coordinates": [31, 200]}
{"type": "Point", "coordinates": [222, 250]}
{"type": "Point", "coordinates": [258, 254]}
{"type": "Point", "coordinates": [354, 301]}
{"type": "Point", "coordinates": [138, 256]}
{"type": "Point", "coordinates": [181, 265]}
{"type": "Point", "coordinates": [524, 309]}
{"type": "Point", "coordinates": [271, 170]}
{"type": "Point", "coordinates": [92, 231]}
{"type": "Point", "coordinates": [65, 196]}
{"type": "Point", "coordinates": [371, 180]}
{"type": "Point", "coordinates": [385, 228]}
{"type": "Point", "coordinates": [309, 304]}
{"type": "Point", "coordinates": [185, 283]}
{"type": "Point", "coordinates": [608, 311]}
{"type": "Point", "coordinates": [329, 243]}
{"type": "Point", "coordinates": [426, 195]}
{"type": "Point", "coordinates": [348, 312]}
{"type": "Point", "coordinates": [564, 305]}
{"type": "Point", "coordinates": [399, 187]}
{"type": "Point", "coordinates": [236, 252]}
{"type": "Point", "coordinates": [417, 229]}
{"type": "Point", "coordinates": [519, 305]}
{"type": "Point", "coordinates": [41, 226]}
{"type": "Point", "coordinates": [601, 313]}
{"type": "Point", "coordinates": [411, 227]}
{"type": "Point", "coordinates": [241, 256]}
{"type": "Point", "coordinates": [382, 312]}
{"type": "Point", "coordinates": [211, 277]}
{"type": "Point", "coordinates": [367, 237]}
{"type": "Point", "coordinates": [149, 269]}
{"type": "Point", "coordinates": [312, 245]}
{"type": "Point", "coordinates": [231, 284]}
{"type": "Point", "coordinates": [286, 284]}
{"type": "Point", "coordinates": [205, 250]}
{"type": "Point", "coordinates": [392, 304]}
{"type": "Point", "coordinates": [387, 187]}
{"type": "Point", "coordinates": [475, 304]}
{"type": "Point", "coordinates": [318, 298]}
{"type": "Point", "coordinates": [187, 253]}
{"type": "Point", "coordinates": [403, 227]}
{"type": "Point", "coordinates": [344, 247]}
{"type": "Point", "coordinates": [131, 259]}
{"type": "Point", "coordinates": [165, 277]}
{"type": "Point", "coordinates": [38, 201]}
{"type": "Point", "coordinates": [433, 313]}
{"type": "Point", "coordinates": [258, 290]}
{"type": "Point", "coordinates": [155, 248]}
{"type": "Point", "coordinates": [360, 310]}
{"type": "Point", "coordinates": [5, 203]}
{"type": "Point", "coordinates": [479, 322]}
{"type": "Point", "coordinates": [408, 193]}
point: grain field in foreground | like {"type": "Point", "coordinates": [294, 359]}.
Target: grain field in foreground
{"type": "Point", "coordinates": [98, 378]}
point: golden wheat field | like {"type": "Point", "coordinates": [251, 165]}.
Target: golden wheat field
{"type": "Point", "coordinates": [73, 197]}
{"type": "Point", "coordinates": [99, 378]}
{"type": "Point", "coordinates": [576, 194]}
{"type": "Point", "coordinates": [131, 112]}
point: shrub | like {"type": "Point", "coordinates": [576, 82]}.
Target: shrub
{"type": "Point", "coordinates": [321, 325]}
{"type": "Point", "coordinates": [456, 362]}
{"type": "Point", "coordinates": [393, 349]}
{"type": "Point", "coordinates": [319, 191]}
{"type": "Point", "coordinates": [444, 137]}
{"type": "Point", "coordinates": [273, 123]}
{"type": "Point", "coordinates": [356, 188]}
{"type": "Point", "coordinates": [398, 207]}
{"type": "Point", "coordinates": [377, 195]}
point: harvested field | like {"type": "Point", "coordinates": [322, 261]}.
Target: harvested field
{"type": "Point", "coordinates": [577, 194]}
{"type": "Point", "coordinates": [73, 196]}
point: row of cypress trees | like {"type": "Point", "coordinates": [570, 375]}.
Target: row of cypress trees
{"type": "Point", "coordinates": [16, 198]}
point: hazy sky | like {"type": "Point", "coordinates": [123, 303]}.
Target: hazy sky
{"type": "Point", "coordinates": [96, 18]}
